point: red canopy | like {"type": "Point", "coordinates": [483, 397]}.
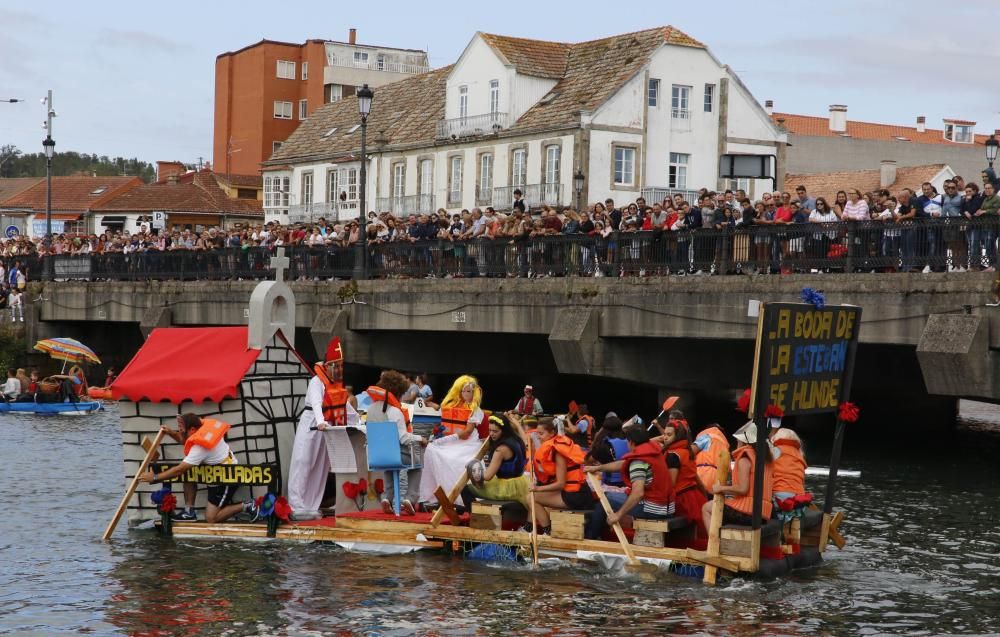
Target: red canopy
{"type": "Point", "coordinates": [178, 364]}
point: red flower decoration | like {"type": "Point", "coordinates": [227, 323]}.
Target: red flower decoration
{"type": "Point", "coordinates": [379, 486]}
{"type": "Point", "coordinates": [848, 412]}
{"type": "Point", "coordinates": [787, 504]}
{"type": "Point", "coordinates": [169, 503]}
{"type": "Point", "coordinates": [743, 404]}
{"type": "Point", "coordinates": [362, 486]}
{"type": "Point", "coordinates": [350, 490]}
{"type": "Point", "coordinates": [773, 411]}
{"type": "Point", "coordinates": [803, 499]}
{"type": "Point", "coordinates": [282, 509]}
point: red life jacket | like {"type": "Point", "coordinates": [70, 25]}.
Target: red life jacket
{"type": "Point", "coordinates": [334, 398]}
{"type": "Point", "coordinates": [208, 435]}
{"type": "Point", "coordinates": [378, 394]}
{"type": "Point", "coordinates": [687, 474]}
{"type": "Point", "coordinates": [545, 463]}
{"type": "Point", "coordinates": [661, 491]}
{"type": "Point", "coordinates": [526, 406]}
{"type": "Point", "coordinates": [789, 468]}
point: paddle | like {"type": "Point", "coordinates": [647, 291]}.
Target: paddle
{"type": "Point", "coordinates": [531, 504]}
{"type": "Point", "coordinates": [595, 484]}
{"type": "Point", "coordinates": [667, 404]}
{"type": "Point", "coordinates": [133, 485]}
{"type": "Point", "coordinates": [715, 525]}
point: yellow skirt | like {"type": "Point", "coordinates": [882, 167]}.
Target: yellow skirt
{"type": "Point", "coordinates": [505, 489]}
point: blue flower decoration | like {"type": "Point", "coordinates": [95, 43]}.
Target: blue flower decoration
{"type": "Point", "coordinates": [813, 297]}
{"type": "Point", "coordinates": [158, 496]}
{"type": "Point", "coordinates": [267, 505]}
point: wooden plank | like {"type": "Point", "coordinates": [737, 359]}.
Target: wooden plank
{"type": "Point", "coordinates": [755, 551]}
{"type": "Point", "coordinates": [719, 501]}
{"type": "Point", "coordinates": [568, 524]}
{"type": "Point", "coordinates": [717, 562]}
{"type": "Point", "coordinates": [309, 533]}
{"type": "Point", "coordinates": [743, 535]}
{"type": "Point", "coordinates": [834, 531]}
{"type": "Point", "coordinates": [456, 490]}
{"type": "Point", "coordinates": [824, 532]}
{"type": "Point", "coordinates": [446, 506]}
{"type": "Point", "coordinates": [735, 548]}
{"type": "Point", "coordinates": [130, 491]}
{"type": "Point", "coordinates": [147, 444]}
{"type": "Point", "coordinates": [661, 526]}
{"type": "Point", "coordinates": [595, 485]}
{"type": "Point", "coordinates": [379, 526]}
{"type": "Point", "coordinates": [648, 538]}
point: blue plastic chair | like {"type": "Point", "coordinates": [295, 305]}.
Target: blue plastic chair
{"type": "Point", "coordinates": [384, 454]}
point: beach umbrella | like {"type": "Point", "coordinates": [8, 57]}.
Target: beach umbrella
{"type": "Point", "coordinates": [67, 349]}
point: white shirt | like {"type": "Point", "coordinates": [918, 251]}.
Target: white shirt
{"type": "Point", "coordinates": [12, 387]}
{"type": "Point", "coordinates": [200, 455]}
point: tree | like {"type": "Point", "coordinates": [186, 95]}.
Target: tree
{"type": "Point", "coordinates": [7, 153]}
{"type": "Point", "coordinates": [13, 163]}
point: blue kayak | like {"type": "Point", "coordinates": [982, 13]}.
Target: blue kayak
{"type": "Point", "coordinates": [80, 407]}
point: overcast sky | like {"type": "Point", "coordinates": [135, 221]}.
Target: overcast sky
{"type": "Point", "coordinates": [136, 79]}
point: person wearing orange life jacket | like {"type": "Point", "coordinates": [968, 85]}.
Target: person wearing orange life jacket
{"type": "Point", "coordinates": [789, 466]}
{"type": "Point", "coordinates": [709, 443]}
{"type": "Point", "coordinates": [205, 444]}
{"type": "Point", "coordinates": [581, 430]}
{"type": "Point", "coordinates": [327, 405]}
{"type": "Point", "coordinates": [649, 488]}
{"type": "Point", "coordinates": [739, 495]}
{"type": "Point", "coordinates": [559, 477]}
{"type": "Point", "coordinates": [689, 493]}
{"type": "Point", "coordinates": [385, 407]}
{"type": "Point", "coordinates": [445, 458]}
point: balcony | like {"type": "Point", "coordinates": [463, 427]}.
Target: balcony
{"type": "Point", "coordinates": [331, 211]}
{"type": "Point", "coordinates": [680, 119]}
{"type": "Point", "coordinates": [376, 64]}
{"type": "Point", "coordinates": [408, 205]}
{"type": "Point", "coordinates": [534, 195]}
{"type": "Point", "coordinates": [656, 194]}
{"type": "Point", "coordinates": [471, 126]}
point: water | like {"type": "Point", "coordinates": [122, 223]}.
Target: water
{"type": "Point", "coordinates": [922, 559]}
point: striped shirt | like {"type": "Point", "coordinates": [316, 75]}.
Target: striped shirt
{"type": "Point", "coordinates": [641, 470]}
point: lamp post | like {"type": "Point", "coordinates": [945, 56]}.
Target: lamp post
{"type": "Point", "coordinates": [578, 180]}
{"type": "Point", "coordinates": [50, 149]}
{"type": "Point", "coordinates": [991, 149]}
{"type": "Point", "coordinates": [365, 95]}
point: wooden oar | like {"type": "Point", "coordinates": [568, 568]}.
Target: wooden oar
{"type": "Point", "coordinates": [459, 485]}
{"type": "Point", "coordinates": [531, 504]}
{"type": "Point", "coordinates": [715, 525]}
{"type": "Point", "coordinates": [132, 486]}
{"type": "Point", "coordinates": [595, 484]}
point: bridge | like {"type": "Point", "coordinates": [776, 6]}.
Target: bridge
{"type": "Point", "coordinates": [926, 339]}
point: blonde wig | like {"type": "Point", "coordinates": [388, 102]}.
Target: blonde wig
{"type": "Point", "coordinates": [454, 397]}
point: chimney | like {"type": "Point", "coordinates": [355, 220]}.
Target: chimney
{"type": "Point", "coordinates": [887, 173]}
{"type": "Point", "coordinates": [352, 37]}
{"type": "Point", "coordinates": [769, 107]}
{"type": "Point", "coordinates": [838, 118]}
{"type": "Point", "coordinates": [172, 179]}
{"type": "Point", "coordinates": [921, 124]}
{"type": "Point", "coordinates": [165, 169]}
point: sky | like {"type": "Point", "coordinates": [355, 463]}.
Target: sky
{"type": "Point", "coordinates": [136, 79]}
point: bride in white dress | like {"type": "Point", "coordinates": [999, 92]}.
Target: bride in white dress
{"type": "Point", "coordinates": [445, 458]}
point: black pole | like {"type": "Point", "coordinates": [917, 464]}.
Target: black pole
{"type": "Point", "coordinates": [763, 429]}
{"type": "Point", "coordinates": [363, 216]}
{"type": "Point", "coordinates": [838, 436]}
{"type": "Point", "coordinates": [48, 199]}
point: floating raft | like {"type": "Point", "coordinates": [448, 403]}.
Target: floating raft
{"type": "Point", "coordinates": [75, 409]}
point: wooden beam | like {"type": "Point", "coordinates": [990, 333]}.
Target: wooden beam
{"type": "Point", "coordinates": [446, 506]}
{"type": "Point", "coordinates": [130, 491]}
{"type": "Point", "coordinates": [715, 524]}
{"type": "Point", "coordinates": [595, 485]}
{"type": "Point", "coordinates": [834, 530]}
{"type": "Point", "coordinates": [714, 561]}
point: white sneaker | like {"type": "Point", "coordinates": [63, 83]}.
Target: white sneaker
{"type": "Point", "coordinates": [960, 269]}
{"type": "Point", "coordinates": [927, 269]}
{"type": "Point", "coordinates": [952, 268]}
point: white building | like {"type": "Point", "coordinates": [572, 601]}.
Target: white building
{"type": "Point", "coordinates": [642, 113]}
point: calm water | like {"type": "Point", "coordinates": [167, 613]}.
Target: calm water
{"type": "Point", "coordinates": [922, 559]}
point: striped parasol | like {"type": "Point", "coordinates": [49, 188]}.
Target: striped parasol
{"type": "Point", "coordinates": [67, 349]}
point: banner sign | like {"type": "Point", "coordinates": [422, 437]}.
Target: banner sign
{"type": "Point", "coordinates": [246, 474]}
{"type": "Point", "coordinates": [805, 357]}
{"type": "Point", "coordinates": [38, 227]}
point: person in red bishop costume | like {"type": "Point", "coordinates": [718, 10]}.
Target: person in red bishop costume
{"type": "Point", "coordinates": [327, 405]}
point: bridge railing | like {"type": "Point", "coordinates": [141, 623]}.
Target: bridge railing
{"type": "Point", "coordinates": [843, 247]}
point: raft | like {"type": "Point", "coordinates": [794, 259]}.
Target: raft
{"type": "Point", "coordinates": [68, 409]}
{"type": "Point", "coordinates": [99, 393]}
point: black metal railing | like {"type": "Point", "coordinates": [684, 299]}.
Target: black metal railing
{"type": "Point", "coordinates": [836, 247]}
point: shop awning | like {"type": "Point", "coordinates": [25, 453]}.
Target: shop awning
{"type": "Point", "coordinates": [112, 219]}
{"type": "Point", "coordinates": [59, 216]}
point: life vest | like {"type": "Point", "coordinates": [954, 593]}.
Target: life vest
{"type": "Point", "coordinates": [705, 461]}
{"type": "Point", "coordinates": [619, 446]}
{"type": "Point", "coordinates": [513, 468]}
{"type": "Point", "coordinates": [334, 399]}
{"type": "Point", "coordinates": [789, 468]}
{"type": "Point", "coordinates": [584, 439]}
{"type": "Point", "coordinates": [687, 475]}
{"type": "Point", "coordinates": [454, 419]}
{"type": "Point", "coordinates": [744, 503]}
{"type": "Point", "coordinates": [526, 406]}
{"type": "Point", "coordinates": [661, 491]}
{"type": "Point", "coordinates": [377, 394]}
{"type": "Point", "coordinates": [209, 434]}
{"type": "Point", "coordinates": [545, 463]}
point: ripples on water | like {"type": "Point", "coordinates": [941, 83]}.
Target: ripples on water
{"type": "Point", "coordinates": [922, 558]}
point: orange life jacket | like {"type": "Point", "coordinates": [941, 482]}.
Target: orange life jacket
{"type": "Point", "coordinates": [334, 399]}
{"type": "Point", "coordinates": [705, 461]}
{"type": "Point", "coordinates": [744, 503]}
{"type": "Point", "coordinates": [585, 439]}
{"type": "Point", "coordinates": [687, 476]}
{"type": "Point", "coordinates": [378, 394]}
{"type": "Point", "coordinates": [789, 468]}
{"type": "Point", "coordinates": [455, 419]}
{"type": "Point", "coordinates": [545, 463]}
{"type": "Point", "coordinates": [209, 434]}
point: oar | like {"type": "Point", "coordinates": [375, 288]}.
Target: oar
{"type": "Point", "coordinates": [715, 524]}
{"type": "Point", "coordinates": [667, 404]}
{"type": "Point", "coordinates": [531, 504]}
{"type": "Point", "coordinates": [595, 484]}
{"type": "Point", "coordinates": [132, 486]}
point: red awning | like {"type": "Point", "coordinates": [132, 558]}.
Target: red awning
{"type": "Point", "coordinates": [60, 216]}
{"type": "Point", "coordinates": [178, 364]}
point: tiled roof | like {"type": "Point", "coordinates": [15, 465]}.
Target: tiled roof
{"type": "Point", "coordinates": [407, 112]}
{"type": "Point", "coordinates": [241, 181]}
{"type": "Point", "coordinates": [194, 192]}
{"type": "Point", "coordinates": [13, 186]}
{"type": "Point", "coordinates": [72, 194]}
{"type": "Point", "coordinates": [827, 184]}
{"type": "Point", "coordinates": [810, 126]}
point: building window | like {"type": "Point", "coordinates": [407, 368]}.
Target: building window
{"type": "Point", "coordinates": [361, 58]}
{"type": "Point", "coordinates": [463, 101]}
{"type": "Point", "coordinates": [307, 188]}
{"type": "Point", "coordinates": [303, 109]}
{"type": "Point", "coordinates": [624, 166]}
{"type": "Point", "coordinates": [455, 181]}
{"type": "Point", "coordinates": [678, 174]}
{"type": "Point", "coordinates": [958, 133]}
{"type": "Point", "coordinates": [334, 93]}
{"type": "Point", "coordinates": [275, 146]}
{"type": "Point", "coordinates": [653, 93]}
{"type": "Point", "coordinates": [680, 98]}
{"type": "Point", "coordinates": [352, 184]}
{"type": "Point", "coordinates": [333, 186]}
{"type": "Point", "coordinates": [494, 97]}
{"type": "Point", "coordinates": [485, 188]}
{"type": "Point", "coordinates": [738, 184]}
{"type": "Point", "coordinates": [276, 192]}
{"type": "Point", "coordinates": [426, 176]}
{"type": "Point", "coordinates": [286, 187]}
{"type": "Point", "coordinates": [267, 192]}
{"type": "Point", "coordinates": [286, 70]}
{"type": "Point", "coordinates": [709, 97]}
{"type": "Point", "coordinates": [305, 70]}
{"type": "Point", "coordinates": [282, 110]}
{"type": "Point", "coordinates": [398, 180]}
{"type": "Point", "coordinates": [519, 168]}
{"type": "Point", "coordinates": [380, 62]}
{"type": "Point", "coordinates": [552, 164]}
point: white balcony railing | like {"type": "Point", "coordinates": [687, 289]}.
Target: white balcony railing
{"type": "Point", "coordinates": [534, 195]}
{"type": "Point", "coordinates": [331, 211]}
{"type": "Point", "coordinates": [407, 205]}
{"type": "Point", "coordinates": [656, 194]}
{"type": "Point", "coordinates": [374, 64]}
{"type": "Point", "coordinates": [680, 119]}
{"type": "Point", "coordinates": [472, 125]}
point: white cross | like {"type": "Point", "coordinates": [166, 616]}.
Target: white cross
{"type": "Point", "coordinates": [278, 263]}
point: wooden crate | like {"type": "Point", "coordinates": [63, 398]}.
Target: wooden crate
{"type": "Point", "coordinates": [741, 543]}
{"type": "Point", "coordinates": [486, 516]}
{"type": "Point", "coordinates": [568, 525]}
{"type": "Point", "coordinates": [651, 533]}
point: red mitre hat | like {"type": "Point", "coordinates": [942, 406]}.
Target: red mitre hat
{"type": "Point", "coordinates": [334, 353]}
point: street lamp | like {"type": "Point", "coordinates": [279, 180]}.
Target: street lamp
{"type": "Point", "coordinates": [50, 149]}
{"type": "Point", "coordinates": [365, 95]}
{"type": "Point", "coordinates": [991, 149]}
{"type": "Point", "coordinates": [578, 180]}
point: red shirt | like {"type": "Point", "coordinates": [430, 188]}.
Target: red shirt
{"type": "Point", "coordinates": [784, 214]}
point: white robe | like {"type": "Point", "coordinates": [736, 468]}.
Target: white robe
{"type": "Point", "coordinates": [445, 460]}
{"type": "Point", "coordinates": [310, 463]}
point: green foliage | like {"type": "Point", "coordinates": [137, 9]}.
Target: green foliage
{"type": "Point", "coordinates": [14, 163]}
{"type": "Point", "coordinates": [12, 349]}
